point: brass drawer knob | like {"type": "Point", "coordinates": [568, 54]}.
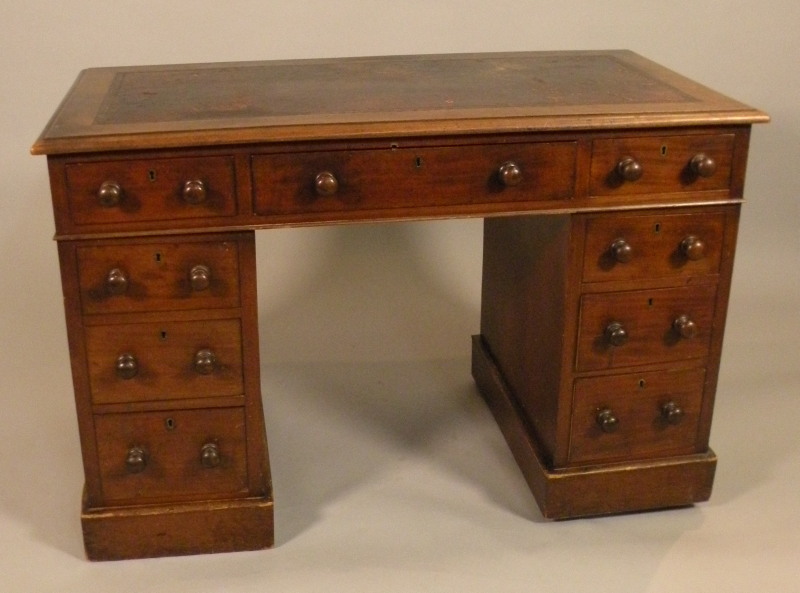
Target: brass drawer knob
{"type": "Point", "coordinates": [685, 327]}
{"type": "Point", "coordinates": [209, 455]}
{"type": "Point", "coordinates": [629, 169]}
{"type": "Point", "coordinates": [703, 165]}
{"type": "Point", "coordinates": [326, 184]}
{"type": "Point", "coordinates": [116, 282]}
{"type": "Point", "coordinates": [127, 366]}
{"type": "Point", "coordinates": [616, 334]}
{"type": "Point", "coordinates": [136, 460]}
{"type": "Point", "coordinates": [622, 251]}
{"type": "Point", "coordinates": [194, 191]}
{"type": "Point", "coordinates": [672, 413]}
{"type": "Point", "coordinates": [109, 194]}
{"type": "Point", "coordinates": [205, 362]}
{"type": "Point", "coordinates": [607, 420]}
{"type": "Point", "coordinates": [200, 277]}
{"type": "Point", "coordinates": [510, 174]}
{"type": "Point", "coordinates": [693, 248]}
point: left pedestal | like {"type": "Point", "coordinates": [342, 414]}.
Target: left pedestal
{"type": "Point", "coordinates": [163, 338]}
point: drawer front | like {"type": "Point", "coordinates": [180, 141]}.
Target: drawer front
{"type": "Point", "coordinates": [156, 189]}
{"type": "Point", "coordinates": [126, 278]}
{"type": "Point", "coordinates": [652, 246]}
{"type": "Point", "coordinates": [636, 416]}
{"type": "Point", "coordinates": [162, 361]}
{"type": "Point", "coordinates": [631, 328]}
{"type": "Point", "coordinates": [175, 454]}
{"type": "Point", "coordinates": [665, 164]}
{"type": "Point", "coordinates": [378, 179]}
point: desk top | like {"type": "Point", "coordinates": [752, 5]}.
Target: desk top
{"type": "Point", "coordinates": [275, 101]}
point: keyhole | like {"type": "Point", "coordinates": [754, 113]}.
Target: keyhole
{"type": "Point", "coordinates": [664, 150]}
{"type": "Point", "coordinates": [641, 383]}
{"type": "Point", "coordinates": [169, 424]}
{"type": "Point", "coordinates": [418, 162]}
{"type": "Point", "coordinates": [157, 257]}
{"type": "Point", "coordinates": [151, 175]}
{"type": "Point", "coordinates": [657, 228]}
{"type": "Point", "coordinates": [163, 335]}
{"type": "Point", "coordinates": [649, 302]}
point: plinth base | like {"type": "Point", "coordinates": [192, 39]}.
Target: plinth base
{"type": "Point", "coordinates": [178, 529]}
{"type": "Point", "coordinates": [597, 490]}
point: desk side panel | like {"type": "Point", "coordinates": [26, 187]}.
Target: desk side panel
{"type": "Point", "coordinates": [68, 259]}
{"type": "Point", "coordinates": [525, 276]}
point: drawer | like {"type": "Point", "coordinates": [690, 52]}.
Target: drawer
{"type": "Point", "coordinates": [625, 247]}
{"type": "Point", "coordinates": [636, 416]}
{"type": "Point", "coordinates": [126, 278]}
{"type": "Point", "coordinates": [406, 177]}
{"type": "Point", "coordinates": [661, 164]}
{"type": "Point", "coordinates": [162, 361]}
{"type": "Point", "coordinates": [121, 191]}
{"type": "Point", "coordinates": [172, 455]}
{"type": "Point", "coordinates": [620, 329]}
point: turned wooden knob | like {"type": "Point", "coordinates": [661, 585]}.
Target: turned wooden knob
{"type": "Point", "coordinates": [136, 460]}
{"type": "Point", "coordinates": [127, 367]}
{"type": "Point", "coordinates": [205, 362]}
{"type": "Point", "coordinates": [200, 277]}
{"type": "Point", "coordinates": [672, 413]}
{"type": "Point", "coordinates": [703, 165]}
{"type": "Point", "coordinates": [326, 184]}
{"type": "Point", "coordinates": [607, 420]}
{"type": "Point", "coordinates": [194, 191]}
{"type": "Point", "coordinates": [629, 169]}
{"type": "Point", "coordinates": [209, 455]}
{"type": "Point", "coordinates": [109, 194]}
{"type": "Point", "coordinates": [622, 251]}
{"type": "Point", "coordinates": [616, 334]}
{"type": "Point", "coordinates": [509, 174]}
{"type": "Point", "coordinates": [116, 282]}
{"type": "Point", "coordinates": [693, 248]}
{"type": "Point", "coordinates": [685, 327]}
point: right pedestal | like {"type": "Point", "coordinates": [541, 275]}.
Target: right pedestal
{"type": "Point", "coordinates": [599, 352]}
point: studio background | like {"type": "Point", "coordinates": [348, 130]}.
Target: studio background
{"type": "Point", "coordinates": [389, 472]}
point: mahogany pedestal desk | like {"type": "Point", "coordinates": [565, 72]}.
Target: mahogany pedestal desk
{"type": "Point", "coordinates": [610, 189]}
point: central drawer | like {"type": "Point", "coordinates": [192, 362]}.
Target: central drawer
{"type": "Point", "coordinates": [332, 181]}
